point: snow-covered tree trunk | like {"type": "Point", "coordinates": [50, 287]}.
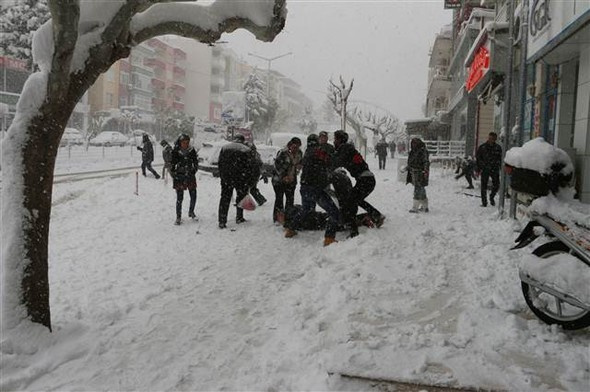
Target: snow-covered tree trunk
{"type": "Point", "coordinates": [72, 50]}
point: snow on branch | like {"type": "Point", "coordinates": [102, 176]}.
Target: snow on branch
{"type": "Point", "coordinates": [263, 18]}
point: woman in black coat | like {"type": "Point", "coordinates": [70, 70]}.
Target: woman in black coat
{"type": "Point", "coordinates": [184, 167]}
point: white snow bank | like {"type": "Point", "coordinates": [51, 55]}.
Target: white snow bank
{"type": "Point", "coordinates": [540, 156]}
{"type": "Point", "coordinates": [563, 272]}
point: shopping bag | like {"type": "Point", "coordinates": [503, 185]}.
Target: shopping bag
{"type": "Point", "coordinates": [247, 203]}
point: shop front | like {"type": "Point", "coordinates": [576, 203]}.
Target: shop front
{"type": "Point", "coordinates": [557, 104]}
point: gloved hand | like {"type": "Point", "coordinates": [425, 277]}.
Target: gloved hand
{"type": "Point", "coordinates": [139, 148]}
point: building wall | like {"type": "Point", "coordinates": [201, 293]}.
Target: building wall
{"type": "Point", "coordinates": [582, 126]}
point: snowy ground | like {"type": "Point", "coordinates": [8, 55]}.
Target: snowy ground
{"type": "Point", "coordinates": [140, 304]}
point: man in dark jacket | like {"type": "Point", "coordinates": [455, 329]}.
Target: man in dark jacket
{"type": "Point", "coordinates": [348, 157]}
{"type": "Point", "coordinates": [381, 148]}
{"type": "Point", "coordinates": [392, 148]}
{"type": "Point", "coordinates": [324, 145]}
{"type": "Point", "coordinates": [147, 156]}
{"type": "Point", "coordinates": [235, 171]}
{"type": "Point", "coordinates": [314, 181]}
{"type": "Point", "coordinates": [284, 180]}
{"type": "Point", "coordinates": [489, 160]}
{"type": "Point", "coordinates": [184, 164]}
{"type": "Point", "coordinates": [418, 173]}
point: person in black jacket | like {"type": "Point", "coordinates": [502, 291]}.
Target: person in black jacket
{"type": "Point", "coordinates": [348, 157]}
{"type": "Point", "coordinates": [314, 181]}
{"type": "Point", "coordinates": [466, 167]}
{"type": "Point", "coordinates": [381, 147]}
{"type": "Point", "coordinates": [489, 160]}
{"type": "Point", "coordinates": [184, 165]}
{"type": "Point", "coordinates": [418, 174]}
{"type": "Point", "coordinates": [235, 171]}
{"type": "Point", "coordinates": [284, 180]}
{"type": "Point", "coordinates": [147, 156]}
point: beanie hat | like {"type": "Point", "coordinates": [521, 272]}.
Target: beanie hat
{"type": "Point", "coordinates": [313, 139]}
{"type": "Point", "coordinates": [341, 136]}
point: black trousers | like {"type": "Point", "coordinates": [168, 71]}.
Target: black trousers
{"type": "Point", "coordinates": [382, 160]}
{"type": "Point", "coordinates": [361, 190]}
{"type": "Point", "coordinates": [485, 175]}
{"type": "Point", "coordinates": [283, 193]}
{"type": "Point", "coordinates": [468, 176]}
{"type": "Point", "coordinates": [148, 165]}
{"type": "Point", "coordinates": [179, 198]}
{"type": "Point", "coordinates": [227, 189]}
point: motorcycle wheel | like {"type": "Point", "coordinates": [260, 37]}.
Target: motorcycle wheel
{"type": "Point", "coordinates": [549, 308]}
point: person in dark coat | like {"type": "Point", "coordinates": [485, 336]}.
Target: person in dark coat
{"type": "Point", "coordinates": [418, 172]}
{"type": "Point", "coordinates": [147, 156]}
{"type": "Point", "coordinates": [166, 156]}
{"type": "Point", "coordinates": [256, 172]}
{"type": "Point", "coordinates": [184, 164]}
{"type": "Point", "coordinates": [381, 148]}
{"type": "Point", "coordinates": [467, 168]}
{"type": "Point", "coordinates": [489, 161]}
{"type": "Point", "coordinates": [284, 180]}
{"type": "Point", "coordinates": [314, 181]}
{"type": "Point", "coordinates": [235, 171]}
{"type": "Point", "coordinates": [316, 220]}
{"type": "Point", "coordinates": [348, 157]}
{"type": "Point", "coordinates": [392, 147]}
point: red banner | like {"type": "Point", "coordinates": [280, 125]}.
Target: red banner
{"type": "Point", "coordinates": [479, 67]}
{"type": "Point", "coordinates": [13, 63]}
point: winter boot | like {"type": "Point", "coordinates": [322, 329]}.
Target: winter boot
{"type": "Point", "coordinates": [178, 221]}
{"type": "Point", "coordinates": [379, 221]}
{"type": "Point", "coordinates": [416, 206]}
{"type": "Point", "coordinates": [492, 199]}
{"type": "Point", "coordinates": [329, 241]}
{"type": "Point", "coordinates": [290, 233]}
{"type": "Point", "coordinates": [192, 215]}
{"type": "Point", "coordinates": [424, 205]}
{"type": "Point", "coordinates": [222, 225]}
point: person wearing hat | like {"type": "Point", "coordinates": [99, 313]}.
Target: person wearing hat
{"type": "Point", "coordinates": [284, 179]}
{"type": "Point", "coordinates": [166, 156]}
{"type": "Point", "coordinates": [324, 143]}
{"type": "Point", "coordinates": [147, 156]}
{"type": "Point", "coordinates": [348, 157]}
{"type": "Point", "coordinates": [235, 171]}
{"type": "Point", "coordinates": [184, 164]}
{"type": "Point", "coordinates": [314, 181]}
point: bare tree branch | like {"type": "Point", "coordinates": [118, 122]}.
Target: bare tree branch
{"type": "Point", "coordinates": [65, 15]}
{"type": "Point", "coordinates": [229, 24]}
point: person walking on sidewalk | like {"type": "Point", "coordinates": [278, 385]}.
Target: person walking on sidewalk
{"type": "Point", "coordinates": [418, 172]}
{"type": "Point", "coordinates": [184, 165]}
{"type": "Point", "coordinates": [166, 156]}
{"type": "Point", "coordinates": [489, 160]}
{"type": "Point", "coordinates": [147, 156]}
{"type": "Point", "coordinates": [381, 148]}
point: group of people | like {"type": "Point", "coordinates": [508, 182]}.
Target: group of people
{"type": "Point", "coordinates": [321, 167]}
{"type": "Point", "coordinates": [324, 172]}
{"type": "Point", "coordinates": [487, 164]}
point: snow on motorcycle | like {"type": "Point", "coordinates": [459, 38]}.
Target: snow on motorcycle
{"type": "Point", "coordinates": [555, 277]}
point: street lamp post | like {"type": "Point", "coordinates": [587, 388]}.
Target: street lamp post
{"type": "Point", "coordinates": [269, 60]}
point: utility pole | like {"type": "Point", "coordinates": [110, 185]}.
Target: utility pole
{"type": "Point", "coordinates": [269, 60]}
{"type": "Point", "coordinates": [507, 105]}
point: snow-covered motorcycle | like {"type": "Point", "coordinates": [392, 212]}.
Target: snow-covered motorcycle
{"type": "Point", "coordinates": [555, 279]}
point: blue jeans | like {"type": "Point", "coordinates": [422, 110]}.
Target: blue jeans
{"type": "Point", "coordinates": [310, 196]}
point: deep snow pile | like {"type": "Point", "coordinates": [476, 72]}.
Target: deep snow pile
{"type": "Point", "coordinates": [141, 304]}
{"type": "Point", "coordinates": [540, 156]}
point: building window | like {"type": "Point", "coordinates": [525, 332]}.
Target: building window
{"type": "Point", "coordinates": [109, 99]}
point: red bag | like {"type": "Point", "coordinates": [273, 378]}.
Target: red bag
{"type": "Point", "coordinates": [247, 203]}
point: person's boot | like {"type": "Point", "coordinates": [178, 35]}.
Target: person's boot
{"type": "Point", "coordinates": [178, 221]}
{"type": "Point", "coordinates": [416, 206]}
{"type": "Point", "coordinates": [492, 200]}
{"type": "Point", "coordinates": [191, 214]}
{"type": "Point", "coordinates": [424, 205]}
{"type": "Point", "coordinates": [329, 240]}
{"type": "Point", "coordinates": [290, 233]}
{"type": "Point", "coordinates": [379, 221]}
{"type": "Point", "coordinates": [222, 225]}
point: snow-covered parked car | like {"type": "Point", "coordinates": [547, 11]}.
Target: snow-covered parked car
{"type": "Point", "coordinates": [209, 156]}
{"type": "Point", "coordinates": [109, 138]}
{"type": "Point", "coordinates": [137, 138]}
{"type": "Point", "coordinates": [71, 137]}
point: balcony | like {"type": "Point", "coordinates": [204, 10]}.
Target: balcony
{"type": "Point", "coordinates": [157, 83]}
{"type": "Point", "coordinates": [178, 106]}
{"type": "Point", "coordinates": [178, 70]}
{"type": "Point", "coordinates": [154, 63]}
{"type": "Point", "coordinates": [178, 88]}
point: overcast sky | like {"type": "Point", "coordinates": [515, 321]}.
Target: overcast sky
{"type": "Point", "coordinates": [383, 45]}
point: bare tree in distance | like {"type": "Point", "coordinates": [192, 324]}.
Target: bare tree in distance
{"type": "Point", "coordinates": [80, 42]}
{"type": "Point", "coordinates": [338, 95]}
{"type": "Point", "coordinates": [383, 126]}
